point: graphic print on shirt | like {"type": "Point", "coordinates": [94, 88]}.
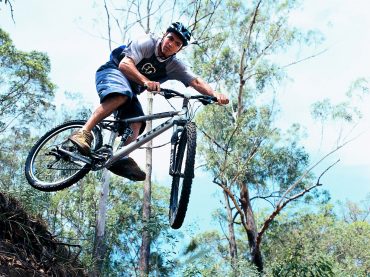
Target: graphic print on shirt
{"type": "Point", "coordinates": [152, 68]}
{"type": "Point", "coordinates": [148, 69]}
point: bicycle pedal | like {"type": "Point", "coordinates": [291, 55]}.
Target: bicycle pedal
{"type": "Point", "coordinates": [96, 156]}
{"type": "Point", "coordinates": [104, 153]}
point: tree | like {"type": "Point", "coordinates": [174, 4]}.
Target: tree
{"type": "Point", "coordinates": [207, 254]}
{"type": "Point", "coordinates": [146, 211]}
{"type": "Point", "coordinates": [346, 115]}
{"type": "Point", "coordinates": [248, 156]}
{"type": "Point", "coordinates": [26, 91]}
{"type": "Point", "coordinates": [26, 95]}
{"type": "Point", "coordinates": [303, 241]}
{"type": "Point", "coordinates": [317, 243]}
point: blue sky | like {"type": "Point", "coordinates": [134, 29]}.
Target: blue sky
{"type": "Point", "coordinates": [70, 34]}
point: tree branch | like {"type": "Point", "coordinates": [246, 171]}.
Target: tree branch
{"type": "Point", "coordinates": [11, 8]}
{"type": "Point", "coordinates": [232, 197]}
{"type": "Point", "coordinates": [108, 25]}
{"type": "Point", "coordinates": [280, 206]}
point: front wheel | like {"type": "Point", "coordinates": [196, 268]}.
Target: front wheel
{"type": "Point", "coordinates": [47, 168]}
{"type": "Point", "coordinates": [183, 176]}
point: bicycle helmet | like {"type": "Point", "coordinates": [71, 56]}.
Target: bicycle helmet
{"type": "Point", "coordinates": [180, 30]}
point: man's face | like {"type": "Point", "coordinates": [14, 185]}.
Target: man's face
{"type": "Point", "coordinates": [171, 44]}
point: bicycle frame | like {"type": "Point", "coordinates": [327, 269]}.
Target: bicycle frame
{"type": "Point", "coordinates": [178, 118]}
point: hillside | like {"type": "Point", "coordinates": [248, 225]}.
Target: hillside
{"type": "Point", "coordinates": [27, 248]}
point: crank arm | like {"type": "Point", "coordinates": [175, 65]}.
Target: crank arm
{"type": "Point", "coordinates": [76, 156]}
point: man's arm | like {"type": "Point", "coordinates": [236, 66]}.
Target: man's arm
{"type": "Point", "coordinates": [204, 88]}
{"type": "Point", "coordinates": [128, 68]}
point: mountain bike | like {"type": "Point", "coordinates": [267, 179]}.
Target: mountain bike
{"type": "Point", "coordinates": [54, 163]}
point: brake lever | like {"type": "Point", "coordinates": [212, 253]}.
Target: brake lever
{"type": "Point", "coordinates": [208, 100]}
{"type": "Point", "coordinates": [205, 101]}
{"type": "Point", "coordinates": [166, 94]}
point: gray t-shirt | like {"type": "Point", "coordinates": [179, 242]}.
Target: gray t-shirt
{"type": "Point", "coordinates": [144, 52]}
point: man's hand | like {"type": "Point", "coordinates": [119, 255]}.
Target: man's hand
{"type": "Point", "coordinates": [222, 99]}
{"type": "Point", "coordinates": [201, 86]}
{"type": "Point", "coordinates": [152, 86]}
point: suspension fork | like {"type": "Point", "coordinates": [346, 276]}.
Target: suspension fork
{"type": "Point", "coordinates": [176, 135]}
{"type": "Point", "coordinates": [178, 128]}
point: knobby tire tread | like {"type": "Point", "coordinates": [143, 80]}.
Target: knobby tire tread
{"type": "Point", "coordinates": [178, 216]}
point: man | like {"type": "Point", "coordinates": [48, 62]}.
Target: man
{"type": "Point", "coordinates": [144, 63]}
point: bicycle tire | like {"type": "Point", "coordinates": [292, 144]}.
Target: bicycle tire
{"type": "Point", "coordinates": [181, 184]}
{"type": "Point", "coordinates": [39, 167]}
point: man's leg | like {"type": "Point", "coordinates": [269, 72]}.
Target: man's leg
{"type": "Point", "coordinates": [127, 167]}
{"type": "Point", "coordinates": [135, 129]}
{"type": "Point", "coordinates": [83, 138]}
{"type": "Point", "coordinates": [104, 110]}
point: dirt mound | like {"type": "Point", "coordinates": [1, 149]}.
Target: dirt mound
{"type": "Point", "coordinates": [27, 248]}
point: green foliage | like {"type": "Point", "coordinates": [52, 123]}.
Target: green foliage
{"type": "Point", "coordinates": [317, 244]}
{"type": "Point", "coordinates": [265, 156]}
{"type": "Point", "coordinates": [243, 145]}
{"type": "Point", "coordinates": [300, 242]}
{"type": "Point", "coordinates": [359, 89]}
{"type": "Point", "coordinates": [26, 91]}
{"type": "Point", "coordinates": [346, 111]}
{"type": "Point", "coordinates": [244, 56]}
{"type": "Point", "coordinates": [324, 111]}
{"type": "Point", "coordinates": [298, 266]}
{"type": "Point", "coordinates": [346, 114]}
{"type": "Point", "coordinates": [72, 215]}
{"type": "Point", "coordinates": [207, 255]}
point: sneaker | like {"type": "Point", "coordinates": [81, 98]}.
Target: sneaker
{"type": "Point", "coordinates": [129, 169]}
{"type": "Point", "coordinates": [82, 139]}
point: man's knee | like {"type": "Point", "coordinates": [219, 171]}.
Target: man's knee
{"type": "Point", "coordinates": [121, 98]}
{"type": "Point", "coordinates": [116, 98]}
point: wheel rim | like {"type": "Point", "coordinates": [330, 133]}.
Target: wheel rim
{"type": "Point", "coordinates": [48, 166]}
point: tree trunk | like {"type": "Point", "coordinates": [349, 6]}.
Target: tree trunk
{"type": "Point", "coordinates": [99, 243]}
{"type": "Point", "coordinates": [146, 239]}
{"type": "Point", "coordinates": [251, 227]}
{"type": "Point", "coordinates": [232, 241]}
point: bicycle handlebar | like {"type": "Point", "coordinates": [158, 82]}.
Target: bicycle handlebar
{"type": "Point", "coordinates": [204, 99]}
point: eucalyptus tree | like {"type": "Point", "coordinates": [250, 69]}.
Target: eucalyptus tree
{"type": "Point", "coordinates": [26, 90]}
{"type": "Point", "coordinates": [320, 242]}
{"type": "Point", "coordinates": [326, 240]}
{"type": "Point", "coordinates": [248, 156]}
{"type": "Point", "coordinates": [26, 95]}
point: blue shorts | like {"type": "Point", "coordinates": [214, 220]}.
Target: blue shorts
{"type": "Point", "coordinates": [111, 81]}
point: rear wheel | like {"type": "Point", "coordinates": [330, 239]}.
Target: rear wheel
{"type": "Point", "coordinates": [183, 175]}
{"type": "Point", "coordinates": [47, 168]}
